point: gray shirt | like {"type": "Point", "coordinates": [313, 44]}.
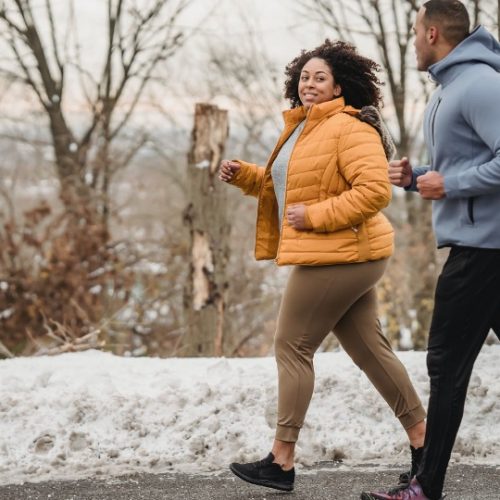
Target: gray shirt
{"type": "Point", "coordinates": [280, 168]}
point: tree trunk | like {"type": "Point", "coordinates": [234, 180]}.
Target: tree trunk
{"type": "Point", "coordinates": [421, 264]}
{"type": "Point", "coordinates": [207, 221]}
{"type": "Point", "coordinates": [498, 18]}
{"type": "Point", "coordinates": [477, 11]}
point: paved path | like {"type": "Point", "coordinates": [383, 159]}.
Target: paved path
{"type": "Point", "coordinates": [337, 482]}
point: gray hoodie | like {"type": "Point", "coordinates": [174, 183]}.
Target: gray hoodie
{"type": "Point", "coordinates": [462, 134]}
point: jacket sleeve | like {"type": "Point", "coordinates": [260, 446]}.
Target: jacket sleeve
{"type": "Point", "coordinates": [248, 178]}
{"type": "Point", "coordinates": [481, 109]}
{"type": "Point", "coordinates": [362, 163]}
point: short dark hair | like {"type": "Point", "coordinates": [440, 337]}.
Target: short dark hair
{"type": "Point", "coordinates": [355, 74]}
{"type": "Point", "coordinates": [452, 17]}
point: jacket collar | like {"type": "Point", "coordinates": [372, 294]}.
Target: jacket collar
{"type": "Point", "coordinates": [317, 112]}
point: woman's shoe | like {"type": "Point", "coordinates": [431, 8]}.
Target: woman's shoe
{"type": "Point", "coordinates": [265, 473]}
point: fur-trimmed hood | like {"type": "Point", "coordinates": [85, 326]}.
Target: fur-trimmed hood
{"type": "Point", "coordinates": [372, 116]}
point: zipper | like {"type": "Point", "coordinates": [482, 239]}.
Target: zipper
{"type": "Point", "coordinates": [286, 183]}
{"type": "Point", "coordinates": [470, 209]}
{"type": "Point", "coordinates": [433, 119]}
{"type": "Point", "coordinates": [272, 157]}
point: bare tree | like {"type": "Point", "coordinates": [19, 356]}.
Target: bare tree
{"type": "Point", "coordinates": [498, 18]}
{"type": "Point", "coordinates": [246, 75]}
{"type": "Point", "coordinates": [388, 24]}
{"type": "Point", "coordinates": [137, 41]}
{"type": "Point", "coordinates": [482, 12]}
{"type": "Point", "coordinates": [476, 11]}
{"type": "Point", "coordinates": [74, 257]}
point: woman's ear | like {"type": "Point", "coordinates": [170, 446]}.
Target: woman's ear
{"type": "Point", "coordinates": [337, 90]}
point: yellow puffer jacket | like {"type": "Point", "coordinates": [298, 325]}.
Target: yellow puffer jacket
{"type": "Point", "coordinates": [338, 169]}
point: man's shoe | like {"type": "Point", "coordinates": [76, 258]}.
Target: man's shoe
{"type": "Point", "coordinates": [416, 459]}
{"type": "Point", "coordinates": [405, 477]}
{"type": "Point", "coordinates": [265, 473]}
{"type": "Point", "coordinates": [412, 492]}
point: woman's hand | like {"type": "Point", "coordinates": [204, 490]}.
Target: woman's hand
{"type": "Point", "coordinates": [227, 170]}
{"type": "Point", "coordinates": [296, 216]}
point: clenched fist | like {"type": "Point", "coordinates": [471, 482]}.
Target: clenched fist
{"type": "Point", "coordinates": [296, 217]}
{"type": "Point", "coordinates": [431, 186]}
{"type": "Point", "coordinates": [400, 172]}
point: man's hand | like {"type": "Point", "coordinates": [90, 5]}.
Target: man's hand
{"type": "Point", "coordinates": [431, 186]}
{"type": "Point", "coordinates": [400, 172]}
{"type": "Point", "coordinates": [296, 216]}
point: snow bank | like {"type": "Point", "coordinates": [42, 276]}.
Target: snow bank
{"type": "Point", "coordinates": [77, 415]}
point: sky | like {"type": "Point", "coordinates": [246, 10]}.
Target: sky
{"type": "Point", "coordinates": [280, 30]}
{"type": "Point", "coordinates": [280, 26]}
{"type": "Point", "coordinates": [92, 413]}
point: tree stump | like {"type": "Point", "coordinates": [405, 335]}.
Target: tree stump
{"type": "Point", "coordinates": [207, 221]}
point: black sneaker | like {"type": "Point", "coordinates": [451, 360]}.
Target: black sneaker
{"type": "Point", "coordinates": [265, 473]}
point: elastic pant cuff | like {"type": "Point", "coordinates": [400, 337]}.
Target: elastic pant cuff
{"type": "Point", "coordinates": [287, 433]}
{"type": "Point", "coordinates": [413, 417]}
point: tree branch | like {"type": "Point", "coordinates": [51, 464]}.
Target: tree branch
{"type": "Point", "coordinates": [28, 77]}
{"type": "Point", "coordinates": [11, 24]}
{"type": "Point", "coordinates": [53, 37]}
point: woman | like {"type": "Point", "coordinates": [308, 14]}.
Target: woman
{"type": "Point", "coordinates": [319, 203]}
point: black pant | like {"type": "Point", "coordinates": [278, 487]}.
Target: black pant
{"type": "Point", "coordinates": [467, 305]}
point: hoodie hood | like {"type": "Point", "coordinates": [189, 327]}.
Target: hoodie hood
{"type": "Point", "coordinates": [462, 134]}
{"type": "Point", "coordinates": [479, 47]}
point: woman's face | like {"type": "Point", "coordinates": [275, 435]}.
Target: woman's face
{"type": "Point", "coordinates": [316, 83]}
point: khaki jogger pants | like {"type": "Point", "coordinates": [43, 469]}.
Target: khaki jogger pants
{"type": "Point", "coordinates": [317, 300]}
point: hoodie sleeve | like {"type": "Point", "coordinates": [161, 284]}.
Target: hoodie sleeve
{"type": "Point", "coordinates": [417, 172]}
{"type": "Point", "coordinates": [482, 112]}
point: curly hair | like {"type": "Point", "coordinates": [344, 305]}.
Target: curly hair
{"type": "Point", "coordinates": [355, 74]}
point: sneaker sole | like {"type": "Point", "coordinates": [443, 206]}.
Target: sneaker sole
{"type": "Point", "coordinates": [267, 484]}
{"type": "Point", "coordinates": [367, 496]}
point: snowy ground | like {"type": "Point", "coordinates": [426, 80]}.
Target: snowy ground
{"type": "Point", "coordinates": [77, 415]}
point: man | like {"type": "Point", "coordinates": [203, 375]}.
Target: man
{"type": "Point", "coordinates": [462, 133]}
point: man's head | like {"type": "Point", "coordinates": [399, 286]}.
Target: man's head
{"type": "Point", "coordinates": [440, 26]}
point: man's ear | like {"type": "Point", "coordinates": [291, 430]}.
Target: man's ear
{"type": "Point", "coordinates": [432, 35]}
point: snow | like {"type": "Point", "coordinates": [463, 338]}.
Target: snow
{"type": "Point", "coordinates": [203, 164]}
{"type": "Point", "coordinates": [93, 413]}
{"type": "Point", "coordinates": [7, 313]}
